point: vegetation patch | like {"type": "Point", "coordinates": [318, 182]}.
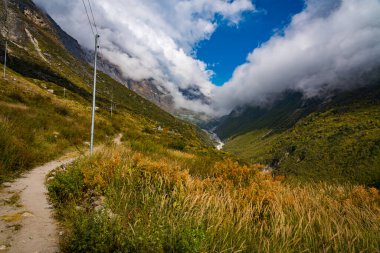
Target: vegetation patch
{"type": "Point", "coordinates": [125, 200]}
{"type": "Point", "coordinates": [15, 217]}
{"type": "Point", "coordinates": [13, 200]}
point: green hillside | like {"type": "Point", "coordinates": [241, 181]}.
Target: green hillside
{"type": "Point", "coordinates": [45, 100]}
{"type": "Point", "coordinates": [338, 139]}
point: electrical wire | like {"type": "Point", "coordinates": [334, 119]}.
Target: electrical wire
{"type": "Point", "coordinates": [6, 14]}
{"type": "Point", "coordinates": [88, 17]}
{"type": "Point", "coordinates": [6, 23]}
{"type": "Point", "coordinates": [93, 19]}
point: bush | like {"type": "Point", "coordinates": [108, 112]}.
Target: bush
{"type": "Point", "coordinates": [177, 145]}
{"type": "Point", "coordinates": [96, 232]}
{"type": "Point", "coordinates": [66, 186]}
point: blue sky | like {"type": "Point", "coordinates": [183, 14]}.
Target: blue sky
{"type": "Point", "coordinates": [229, 45]}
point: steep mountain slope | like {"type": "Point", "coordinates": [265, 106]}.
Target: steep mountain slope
{"type": "Point", "coordinates": [335, 138]}
{"type": "Point", "coordinates": [45, 100]}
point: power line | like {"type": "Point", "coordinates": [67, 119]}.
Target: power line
{"type": "Point", "coordinates": [88, 17]}
{"type": "Point", "coordinates": [92, 14]}
{"type": "Point", "coordinates": [5, 10]}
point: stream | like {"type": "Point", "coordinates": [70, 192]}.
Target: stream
{"type": "Point", "coordinates": [219, 143]}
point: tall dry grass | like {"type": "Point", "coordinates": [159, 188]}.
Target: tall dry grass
{"type": "Point", "coordinates": [161, 207]}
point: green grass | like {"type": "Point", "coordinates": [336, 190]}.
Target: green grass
{"type": "Point", "coordinates": [122, 200]}
{"type": "Point", "coordinates": [338, 143]}
{"type": "Point", "coordinates": [36, 126]}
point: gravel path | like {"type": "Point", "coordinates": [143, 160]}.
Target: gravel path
{"type": "Point", "coordinates": [26, 220]}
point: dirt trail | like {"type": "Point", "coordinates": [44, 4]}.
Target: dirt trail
{"type": "Point", "coordinates": [26, 221]}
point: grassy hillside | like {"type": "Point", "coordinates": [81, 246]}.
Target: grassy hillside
{"type": "Point", "coordinates": [340, 141]}
{"type": "Point", "coordinates": [46, 100]}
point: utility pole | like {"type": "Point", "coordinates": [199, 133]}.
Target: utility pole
{"type": "Point", "coordinates": [5, 57]}
{"type": "Point", "coordinates": [94, 95]}
{"type": "Point", "coordinates": [6, 37]}
{"type": "Point", "coordinates": [111, 101]}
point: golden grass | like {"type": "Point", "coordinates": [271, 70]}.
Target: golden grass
{"type": "Point", "coordinates": [235, 209]}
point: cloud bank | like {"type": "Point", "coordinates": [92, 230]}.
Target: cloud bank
{"type": "Point", "coordinates": [152, 39]}
{"type": "Point", "coordinates": [332, 44]}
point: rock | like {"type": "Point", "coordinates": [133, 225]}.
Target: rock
{"type": "Point", "coordinates": [27, 214]}
{"type": "Point", "coordinates": [98, 208]}
{"type": "Point", "coordinates": [101, 200]}
{"type": "Point", "coordinates": [61, 233]}
{"type": "Point", "coordinates": [7, 184]}
{"type": "Point", "coordinates": [111, 214]}
{"type": "Point", "coordinates": [51, 91]}
{"type": "Point", "coordinates": [98, 201]}
{"type": "Point", "coordinates": [63, 167]}
{"type": "Point", "coordinates": [50, 178]}
{"type": "Point", "coordinates": [3, 247]}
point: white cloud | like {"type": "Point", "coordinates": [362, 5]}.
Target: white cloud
{"type": "Point", "coordinates": [151, 39]}
{"type": "Point", "coordinates": [330, 45]}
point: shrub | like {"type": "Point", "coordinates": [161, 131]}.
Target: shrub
{"type": "Point", "coordinates": [177, 145]}
{"type": "Point", "coordinates": [96, 232]}
{"type": "Point", "coordinates": [67, 185]}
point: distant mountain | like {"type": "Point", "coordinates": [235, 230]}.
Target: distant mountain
{"type": "Point", "coordinates": [328, 138]}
